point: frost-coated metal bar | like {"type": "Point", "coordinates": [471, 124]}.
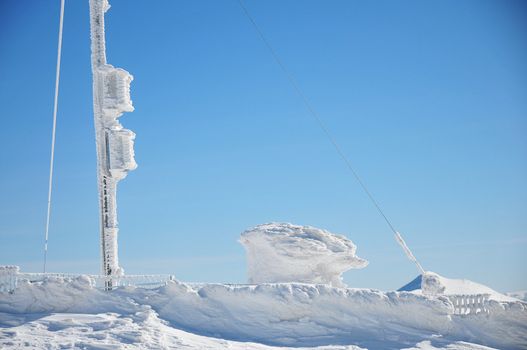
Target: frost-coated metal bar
{"type": "Point", "coordinates": [111, 97]}
{"type": "Point", "coordinates": [10, 276]}
{"type": "Point", "coordinates": [98, 57]}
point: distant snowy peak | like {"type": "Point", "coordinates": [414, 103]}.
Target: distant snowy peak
{"type": "Point", "coordinates": [284, 252]}
{"type": "Point", "coordinates": [413, 285]}
{"type": "Point", "coordinates": [437, 284]}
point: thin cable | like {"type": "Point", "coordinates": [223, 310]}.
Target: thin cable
{"type": "Point", "coordinates": [55, 107]}
{"type": "Point", "coordinates": [322, 126]}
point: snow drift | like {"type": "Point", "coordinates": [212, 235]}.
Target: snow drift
{"type": "Point", "coordinates": [520, 294]}
{"type": "Point", "coordinates": [431, 283]}
{"type": "Point", "coordinates": [286, 314]}
{"type": "Point", "coordinates": [283, 252]}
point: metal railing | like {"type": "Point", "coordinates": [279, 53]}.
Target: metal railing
{"type": "Point", "coordinates": [470, 304]}
{"type": "Point", "coordinates": [10, 277]}
{"type": "Point", "coordinates": [464, 304]}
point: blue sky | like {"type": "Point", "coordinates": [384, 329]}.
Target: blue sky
{"type": "Point", "coordinates": [427, 98]}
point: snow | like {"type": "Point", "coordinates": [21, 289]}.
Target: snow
{"type": "Point", "coordinates": [71, 313]}
{"type": "Point", "coordinates": [141, 330]}
{"type": "Point", "coordinates": [520, 295]}
{"type": "Point", "coordinates": [298, 302]}
{"type": "Point", "coordinates": [283, 252]}
{"type": "Point", "coordinates": [7, 277]}
{"type": "Point", "coordinates": [427, 345]}
{"type": "Point", "coordinates": [432, 283]}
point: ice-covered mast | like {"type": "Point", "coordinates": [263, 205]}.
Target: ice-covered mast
{"type": "Point", "coordinates": [115, 154]}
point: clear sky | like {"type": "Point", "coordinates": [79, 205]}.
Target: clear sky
{"type": "Point", "coordinates": [427, 98]}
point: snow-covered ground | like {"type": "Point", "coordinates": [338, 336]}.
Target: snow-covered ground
{"type": "Point", "coordinates": [140, 330]}
{"type": "Point", "coordinates": [60, 313]}
{"type": "Point", "coordinates": [449, 286]}
{"type": "Point", "coordinates": [431, 312]}
{"type": "Point", "coordinates": [521, 294]}
{"type": "Point", "coordinates": [143, 330]}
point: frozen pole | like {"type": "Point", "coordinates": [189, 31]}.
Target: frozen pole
{"type": "Point", "coordinates": [115, 154]}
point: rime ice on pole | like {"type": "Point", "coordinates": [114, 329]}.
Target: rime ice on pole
{"type": "Point", "coordinates": [115, 152]}
{"type": "Point", "coordinates": [282, 252]}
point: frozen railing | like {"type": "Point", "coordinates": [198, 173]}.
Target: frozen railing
{"type": "Point", "coordinates": [464, 304]}
{"type": "Point", "coordinates": [10, 276]}
{"type": "Point", "coordinates": [142, 281]}
{"type": "Point", "coordinates": [470, 304]}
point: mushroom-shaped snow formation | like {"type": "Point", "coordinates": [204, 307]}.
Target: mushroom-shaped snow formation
{"type": "Point", "coordinates": [282, 252]}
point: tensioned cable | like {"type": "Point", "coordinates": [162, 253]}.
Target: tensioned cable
{"type": "Point", "coordinates": [53, 132]}
{"type": "Point", "coordinates": [325, 130]}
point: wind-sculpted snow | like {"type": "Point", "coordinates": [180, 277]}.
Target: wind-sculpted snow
{"type": "Point", "coordinates": [520, 294]}
{"type": "Point", "coordinates": [431, 283]}
{"type": "Point", "coordinates": [141, 330]}
{"type": "Point", "coordinates": [289, 314]}
{"type": "Point", "coordinates": [285, 252]}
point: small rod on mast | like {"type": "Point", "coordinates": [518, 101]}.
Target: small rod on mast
{"type": "Point", "coordinates": [53, 132]}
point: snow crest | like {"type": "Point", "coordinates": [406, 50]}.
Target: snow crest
{"type": "Point", "coordinates": [430, 283]}
{"type": "Point", "coordinates": [283, 252]}
{"type": "Point", "coordinates": [286, 314]}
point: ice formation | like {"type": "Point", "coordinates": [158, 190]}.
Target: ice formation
{"type": "Point", "coordinates": [282, 252]}
{"type": "Point", "coordinates": [71, 313]}
{"type": "Point", "coordinates": [115, 152]}
{"type": "Point", "coordinates": [433, 284]}
{"type": "Point", "coordinates": [8, 277]}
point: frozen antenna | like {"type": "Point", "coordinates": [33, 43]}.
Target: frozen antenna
{"type": "Point", "coordinates": [115, 153]}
